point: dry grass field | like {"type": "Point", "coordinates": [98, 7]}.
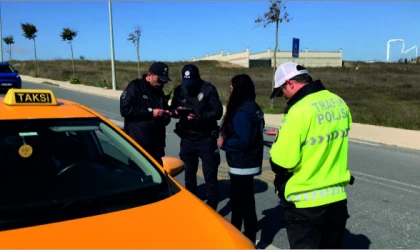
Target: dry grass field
{"type": "Point", "coordinates": [377, 93]}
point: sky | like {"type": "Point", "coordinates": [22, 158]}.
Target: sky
{"type": "Point", "coordinates": [180, 30]}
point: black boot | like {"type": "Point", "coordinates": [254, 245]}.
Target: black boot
{"type": "Point", "coordinates": [251, 236]}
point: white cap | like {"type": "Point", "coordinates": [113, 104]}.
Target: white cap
{"type": "Point", "coordinates": [285, 72]}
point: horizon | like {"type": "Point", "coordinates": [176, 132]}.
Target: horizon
{"type": "Point", "coordinates": [361, 29]}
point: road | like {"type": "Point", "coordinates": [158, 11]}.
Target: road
{"type": "Point", "coordinates": [383, 204]}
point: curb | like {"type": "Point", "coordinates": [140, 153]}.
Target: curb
{"type": "Point", "coordinates": [369, 142]}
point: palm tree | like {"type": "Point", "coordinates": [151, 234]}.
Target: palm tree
{"type": "Point", "coordinates": [9, 40]}
{"type": "Point", "coordinates": [68, 35]}
{"type": "Point", "coordinates": [29, 32]}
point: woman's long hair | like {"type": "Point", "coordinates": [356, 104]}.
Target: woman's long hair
{"type": "Point", "coordinates": [243, 89]}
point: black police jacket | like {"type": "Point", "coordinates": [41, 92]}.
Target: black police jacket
{"type": "Point", "coordinates": [244, 142]}
{"type": "Point", "coordinates": [136, 106]}
{"type": "Point", "coordinates": [205, 101]}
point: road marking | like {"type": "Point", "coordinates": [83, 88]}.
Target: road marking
{"type": "Point", "coordinates": [386, 180]}
{"type": "Point", "coordinates": [387, 185]}
{"type": "Point", "coordinates": [118, 123]}
{"type": "Point", "coordinates": [105, 113]}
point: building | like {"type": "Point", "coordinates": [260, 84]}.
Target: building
{"type": "Point", "coordinates": [266, 59]}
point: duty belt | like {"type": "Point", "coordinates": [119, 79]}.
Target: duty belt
{"type": "Point", "coordinates": [195, 136]}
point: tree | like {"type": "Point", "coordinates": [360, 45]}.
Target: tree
{"type": "Point", "coordinates": [276, 14]}
{"type": "Point", "coordinates": [29, 32]}
{"type": "Point", "coordinates": [9, 40]}
{"type": "Point", "coordinates": [68, 35]}
{"type": "Point", "coordinates": [135, 39]}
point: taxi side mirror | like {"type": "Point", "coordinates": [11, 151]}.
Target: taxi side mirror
{"type": "Point", "coordinates": [172, 165]}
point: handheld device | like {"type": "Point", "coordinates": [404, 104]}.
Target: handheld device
{"type": "Point", "coordinates": [185, 111]}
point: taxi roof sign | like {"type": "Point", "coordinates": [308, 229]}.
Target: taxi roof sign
{"type": "Point", "coordinates": [30, 97]}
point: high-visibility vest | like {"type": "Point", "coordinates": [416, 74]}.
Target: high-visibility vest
{"type": "Point", "coordinates": [312, 142]}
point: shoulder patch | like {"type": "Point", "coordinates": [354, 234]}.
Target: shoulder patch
{"type": "Point", "coordinates": [124, 94]}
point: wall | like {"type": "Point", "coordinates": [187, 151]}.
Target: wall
{"type": "Point", "coordinates": [306, 58]}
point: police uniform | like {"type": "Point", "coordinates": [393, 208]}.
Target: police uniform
{"type": "Point", "coordinates": [136, 106]}
{"type": "Point", "coordinates": [199, 136]}
{"type": "Point", "coordinates": [309, 157]}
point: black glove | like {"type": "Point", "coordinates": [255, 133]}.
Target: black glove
{"type": "Point", "coordinates": [280, 181]}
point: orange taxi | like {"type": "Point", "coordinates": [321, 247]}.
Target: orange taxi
{"type": "Point", "coordinates": [70, 178]}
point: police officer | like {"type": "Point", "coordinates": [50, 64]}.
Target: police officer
{"type": "Point", "coordinates": [144, 107]}
{"type": "Point", "coordinates": [309, 157]}
{"type": "Point", "coordinates": [198, 130]}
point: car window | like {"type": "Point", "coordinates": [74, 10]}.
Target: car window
{"type": "Point", "coordinates": [46, 163]}
{"type": "Point", "coordinates": [6, 69]}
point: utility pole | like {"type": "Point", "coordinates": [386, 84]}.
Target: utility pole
{"type": "Point", "coordinates": [114, 85]}
{"type": "Point", "coordinates": [1, 38]}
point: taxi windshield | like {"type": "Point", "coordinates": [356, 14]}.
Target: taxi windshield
{"type": "Point", "coordinates": [50, 165]}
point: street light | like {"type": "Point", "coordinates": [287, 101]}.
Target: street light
{"type": "Point", "coordinates": [114, 87]}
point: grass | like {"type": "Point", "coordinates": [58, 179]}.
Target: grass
{"type": "Point", "coordinates": [377, 93]}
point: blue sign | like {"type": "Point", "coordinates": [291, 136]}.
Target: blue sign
{"type": "Point", "coordinates": [295, 48]}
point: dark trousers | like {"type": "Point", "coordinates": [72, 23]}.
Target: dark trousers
{"type": "Point", "coordinates": [157, 152]}
{"type": "Point", "coordinates": [242, 202]}
{"type": "Point", "coordinates": [317, 227]}
{"type": "Point", "coordinates": [208, 151]}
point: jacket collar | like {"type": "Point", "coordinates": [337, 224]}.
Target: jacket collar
{"type": "Point", "coordinates": [308, 89]}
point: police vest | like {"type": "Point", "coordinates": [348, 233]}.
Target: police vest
{"type": "Point", "coordinates": [312, 143]}
{"type": "Point", "coordinates": [248, 161]}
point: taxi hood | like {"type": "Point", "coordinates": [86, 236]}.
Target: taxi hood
{"type": "Point", "coordinates": [180, 221]}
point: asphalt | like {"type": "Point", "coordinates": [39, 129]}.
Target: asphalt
{"type": "Point", "coordinates": [383, 203]}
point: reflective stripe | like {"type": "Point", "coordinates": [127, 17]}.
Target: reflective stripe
{"type": "Point", "coordinates": [245, 171]}
{"type": "Point", "coordinates": [314, 140]}
{"type": "Point", "coordinates": [282, 121]}
{"type": "Point", "coordinates": [317, 194]}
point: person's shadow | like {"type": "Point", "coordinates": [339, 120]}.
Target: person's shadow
{"type": "Point", "coordinates": [355, 241]}
{"type": "Point", "coordinates": [270, 225]}
{"type": "Point", "coordinates": [224, 190]}
{"type": "Point", "coordinates": [273, 222]}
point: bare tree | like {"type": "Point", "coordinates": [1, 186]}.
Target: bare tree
{"type": "Point", "coordinates": [135, 39]}
{"type": "Point", "coordinates": [9, 40]}
{"type": "Point", "coordinates": [68, 35]}
{"type": "Point", "coordinates": [29, 32]}
{"type": "Point", "coordinates": [276, 14]}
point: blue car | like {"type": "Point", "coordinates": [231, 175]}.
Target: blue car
{"type": "Point", "coordinates": [9, 77]}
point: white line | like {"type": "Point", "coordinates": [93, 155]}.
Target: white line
{"type": "Point", "coordinates": [118, 123]}
{"type": "Point", "coordinates": [387, 185]}
{"type": "Point", "coordinates": [104, 112]}
{"type": "Point", "coordinates": [384, 179]}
